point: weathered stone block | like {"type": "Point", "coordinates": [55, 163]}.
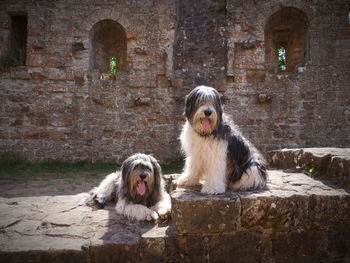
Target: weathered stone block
{"type": "Point", "coordinates": [194, 212]}
{"type": "Point", "coordinates": [290, 200]}
{"type": "Point", "coordinates": [332, 163]}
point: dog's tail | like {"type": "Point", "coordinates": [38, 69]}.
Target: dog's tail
{"type": "Point", "coordinates": [254, 176]}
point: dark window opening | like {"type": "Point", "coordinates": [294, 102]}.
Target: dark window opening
{"type": "Point", "coordinates": [286, 40]}
{"type": "Point", "coordinates": [107, 47]}
{"type": "Point", "coordinates": [18, 39]}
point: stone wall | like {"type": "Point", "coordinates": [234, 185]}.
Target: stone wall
{"type": "Point", "coordinates": [58, 107]}
{"type": "Point", "coordinates": [309, 106]}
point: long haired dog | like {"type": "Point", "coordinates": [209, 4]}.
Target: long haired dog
{"type": "Point", "coordinates": [139, 189]}
{"type": "Point", "coordinates": [216, 152]}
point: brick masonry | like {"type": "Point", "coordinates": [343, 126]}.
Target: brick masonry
{"type": "Point", "coordinates": [54, 107]}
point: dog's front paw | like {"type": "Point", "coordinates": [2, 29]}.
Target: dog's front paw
{"type": "Point", "coordinates": [164, 212]}
{"type": "Point", "coordinates": [187, 180]}
{"type": "Point", "coordinates": [152, 216]}
{"type": "Point", "coordinates": [181, 180]}
{"type": "Point", "coordinates": [209, 189]}
{"type": "Point", "coordinates": [146, 214]}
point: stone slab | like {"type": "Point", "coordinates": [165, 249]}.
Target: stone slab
{"type": "Point", "coordinates": [331, 163]}
{"type": "Point", "coordinates": [57, 229]}
{"type": "Point", "coordinates": [296, 218]}
{"type": "Point", "coordinates": [290, 200]}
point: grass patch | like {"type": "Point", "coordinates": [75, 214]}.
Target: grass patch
{"type": "Point", "coordinates": [14, 168]}
{"type": "Point", "coordinates": [8, 159]}
{"type": "Point", "coordinates": [21, 178]}
{"type": "Point", "coordinates": [173, 168]}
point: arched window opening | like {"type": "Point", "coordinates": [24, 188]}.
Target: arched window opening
{"type": "Point", "coordinates": [286, 40]}
{"type": "Point", "coordinates": [107, 47]}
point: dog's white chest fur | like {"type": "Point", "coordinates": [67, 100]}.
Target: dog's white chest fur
{"type": "Point", "coordinates": [205, 149]}
{"type": "Point", "coordinates": [205, 159]}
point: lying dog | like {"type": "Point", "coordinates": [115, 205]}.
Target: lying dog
{"type": "Point", "coordinates": [139, 189]}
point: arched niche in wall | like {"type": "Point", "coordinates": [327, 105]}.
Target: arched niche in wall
{"type": "Point", "coordinates": [286, 40]}
{"type": "Point", "coordinates": [107, 43]}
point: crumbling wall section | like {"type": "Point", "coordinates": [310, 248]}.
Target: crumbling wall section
{"type": "Point", "coordinates": [308, 106]}
{"type": "Point", "coordinates": [54, 107]}
{"type": "Point", "coordinates": [57, 107]}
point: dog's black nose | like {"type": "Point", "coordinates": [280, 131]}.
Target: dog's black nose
{"type": "Point", "coordinates": [207, 112]}
{"type": "Point", "coordinates": [143, 175]}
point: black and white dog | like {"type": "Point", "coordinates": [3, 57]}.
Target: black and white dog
{"type": "Point", "coordinates": [138, 189]}
{"type": "Point", "coordinates": [217, 155]}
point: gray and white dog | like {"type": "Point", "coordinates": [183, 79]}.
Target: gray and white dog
{"type": "Point", "coordinates": [138, 189]}
{"type": "Point", "coordinates": [217, 154]}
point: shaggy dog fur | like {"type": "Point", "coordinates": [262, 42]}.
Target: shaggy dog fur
{"type": "Point", "coordinates": [216, 153]}
{"type": "Point", "coordinates": [139, 189]}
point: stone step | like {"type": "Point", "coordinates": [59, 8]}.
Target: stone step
{"type": "Point", "coordinates": [297, 219]}
{"type": "Point", "coordinates": [330, 163]}
{"type": "Point", "coordinates": [290, 200]}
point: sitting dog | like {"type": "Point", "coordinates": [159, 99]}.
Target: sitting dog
{"type": "Point", "coordinates": [215, 150]}
{"type": "Point", "coordinates": [139, 189]}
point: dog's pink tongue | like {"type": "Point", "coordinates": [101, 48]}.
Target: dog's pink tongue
{"type": "Point", "coordinates": [205, 124]}
{"type": "Point", "coordinates": [141, 188]}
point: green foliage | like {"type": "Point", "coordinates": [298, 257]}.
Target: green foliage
{"type": "Point", "coordinates": [9, 159]}
{"type": "Point", "coordinates": [14, 170]}
{"type": "Point", "coordinates": [282, 58]}
{"type": "Point", "coordinates": [310, 170]}
{"type": "Point", "coordinates": [173, 167]}
{"type": "Point", "coordinates": [11, 163]}
{"type": "Point", "coordinates": [113, 66]}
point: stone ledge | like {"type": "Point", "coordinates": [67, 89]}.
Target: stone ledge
{"type": "Point", "coordinates": [332, 163]}
{"type": "Point", "coordinates": [297, 219]}
{"type": "Point", "coordinates": [290, 200]}
{"type": "Point", "coordinates": [56, 229]}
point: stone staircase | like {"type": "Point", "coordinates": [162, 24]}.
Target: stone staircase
{"type": "Point", "coordinates": [296, 219]}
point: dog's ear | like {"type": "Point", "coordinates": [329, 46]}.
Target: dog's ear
{"type": "Point", "coordinates": [124, 185]}
{"type": "Point", "coordinates": [156, 167]}
{"type": "Point", "coordinates": [157, 171]}
{"type": "Point", "coordinates": [126, 169]}
{"type": "Point", "coordinates": [188, 107]}
{"type": "Point", "coordinates": [191, 100]}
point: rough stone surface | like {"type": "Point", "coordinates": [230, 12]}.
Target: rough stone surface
{"type": "Point", "coordinates": [54, 107]}
{"type": "Point", "coordinates": [290, 200]}
{"type": "Point", "coordinates": [297, 219]}
{"type": "Point", "coordinates": [37, 229]}
{"type": "Point", "coordinates": [58, 107]}
{"type": "Point", "coordinates": [332, 163]}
